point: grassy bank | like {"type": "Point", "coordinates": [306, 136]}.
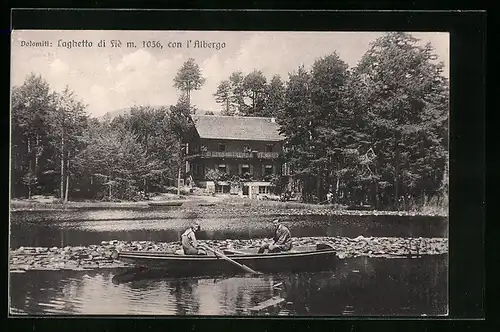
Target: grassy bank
{"type": "Point", "coordinates": [33, 205]}
{"type": "Point", "coordinates": [229, 205]}
{"type": "Point", "coordinates": [428, 207]}
{"type": "Point", "coordinates": [238, 201]}
{"type": "Point", "coordinates": [434, 205]}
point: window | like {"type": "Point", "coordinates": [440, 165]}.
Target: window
{"type": "Point", "coordinates": [245, 169]}
{"type": "Point", "coordinates": [196, 169]}
{"type": "Point", "coordinates": [222, 168]}
{"type": "Point", "coordinates": [268, 170]}
{"type": "Point", "coordinates": [262, 189]}
{"type": "Point", "coordinates": [285, 169]}
{"type": "Point", "coordinates": [222, 147]}
{"type": "Point", "coordinates": [269, 147]}
{"type": "Point", "coordinates": [222, 189]}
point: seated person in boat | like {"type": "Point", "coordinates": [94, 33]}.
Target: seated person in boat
{"type": "Point", "coordinates": [189, 243]}
{"type": "Point", "coordinates": [282, 240]}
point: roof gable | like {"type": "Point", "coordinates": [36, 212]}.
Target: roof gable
{"type": "Point", "coordinates": [237, 128]}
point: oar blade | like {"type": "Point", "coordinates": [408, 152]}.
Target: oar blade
{"type": "Point", "coordinates": [242, 266]}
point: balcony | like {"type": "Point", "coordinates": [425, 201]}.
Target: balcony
{"type": "Point", "coordinates": [268, 155]}
{"type": "Point", "coordinates": [234, 155]}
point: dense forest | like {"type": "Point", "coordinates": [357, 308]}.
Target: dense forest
{"type": "Point", "coordinates": [374, 134]}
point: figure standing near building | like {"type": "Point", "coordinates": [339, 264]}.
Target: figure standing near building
{"type": "Point", "coordinates": [282, 240]}
{"type": "Point", "coordinates": [329, 197]}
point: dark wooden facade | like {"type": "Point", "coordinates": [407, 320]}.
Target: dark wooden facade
{"type": "Point", "coordinates": [234, 149]}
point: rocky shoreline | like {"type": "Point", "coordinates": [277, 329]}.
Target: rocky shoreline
{"type": "Point", "coordinates": [217, 211]}
{"type": "Point", "coordinates": [102, 256]}
{"type": "Point", "coordinates": [221, 207]}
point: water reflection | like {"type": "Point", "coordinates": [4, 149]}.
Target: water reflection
{"type": "Point", "coordinates": [71, 228]}
{"type": "Point", "coordinates": [361, 286]}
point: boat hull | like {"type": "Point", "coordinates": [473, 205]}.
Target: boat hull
{"type": "Point", "coordinates": [161, 204]}
{"type": "Point", "coordinates": [322, 260]}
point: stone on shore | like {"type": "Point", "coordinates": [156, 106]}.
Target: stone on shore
{"type": "Point", "coordinates": [101, 256]}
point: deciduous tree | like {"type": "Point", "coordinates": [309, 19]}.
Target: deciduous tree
{"type": "Point", "coordinates": [406, 96]}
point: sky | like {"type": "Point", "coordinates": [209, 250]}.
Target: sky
{"type": "Point", "coordinates": [110, 78]}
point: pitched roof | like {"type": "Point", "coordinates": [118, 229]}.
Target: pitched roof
{"type": "Point", "coordinates": [237, 128]}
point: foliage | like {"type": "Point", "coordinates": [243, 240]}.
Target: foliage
{"type": "Point", "coordinates": [30, 147]}
{"type": "Point", "coordinates": [66, 125]}
{"type": "Point", "coordinates": [179, 120]}
{"type": "Point", "coordinates": [189, 78]}
{"type": "Point", "coordinates": [406, 98]}
{"type": "Point", "coordinates": [250, 95]}
{"type": "Point", "coordinates": [216, 175]}
{"type": "Point", "coordinates": [278, 182]}
{"type": "Point", "coordinates": [115, 161]}
{"type": "Point", "coordinates": [374, 134]}
{"type": "Point", "coordinates": [223, 96]}
{"type": "Point", "coordinates": [237, 92]}
{"type": "Point", "coordinates": [275, 93]}
{"type": "Point", "coordinates": [151, 129]}
{"type": "Point", "coordinates": [254, 91]}
{"type": "Point", "coordinates": [46, 131]}
{"type": "Point", "coordinates": [296, 127]}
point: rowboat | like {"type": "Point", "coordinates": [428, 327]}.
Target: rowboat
{"type": "Point", "coordinates": [166, 203]}
{"type": "Point", "coordinates": [323, 258]}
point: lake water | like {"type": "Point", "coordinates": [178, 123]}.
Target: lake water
{"type": "Point", "coordinates": [359, 286]}
{"type": "Point", "coordinates": [84, 227]}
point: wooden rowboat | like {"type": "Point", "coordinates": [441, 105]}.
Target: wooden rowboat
{"type": "Point", "coordinates": [321, 259]}
{"type": "Point", "coordinates": [166, 203]}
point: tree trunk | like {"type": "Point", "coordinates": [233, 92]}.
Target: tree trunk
{"type": "Point", "coordinates": [36, 149]}
{"type": "Point", "coordinates": [29, 166]}
{"type": "Point", "coordinates": [254, 101]}
{"type": "Point", "coordinates": [28, 142]}
{"type": "Point", "coordinates": [61, 192]}
{"type": "Point", "coordinates": [337, 187]}
{"type": "Point", "coordinates": [37, 157]}
{"type": "Point", "coordinates": [67, 188]}
{"type": "Point", "coordinates": [319, 191]}
{"type": "Point", "coordinates": [179, 181]}
{"type": "Point", "coordinates": [188, 97]}
{"type": "Point", "coordinates": [67, 180]}
{"type": "Point", "coordinates": [396, 176]}
{"type": "Point", "coordinates": [396, 182]}
{"type": "Point", "coordinates": [109, 190]}
{"type": "Point", "coordinates": [304, 192]}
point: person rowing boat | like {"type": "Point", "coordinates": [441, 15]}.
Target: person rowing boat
{"type": "Point", "coordinates": [282, 240]}
{"type": "Point", "coordinates": [190, 245]}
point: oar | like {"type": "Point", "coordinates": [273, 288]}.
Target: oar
{"type": "Point", "coordinates": [244, 267]}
